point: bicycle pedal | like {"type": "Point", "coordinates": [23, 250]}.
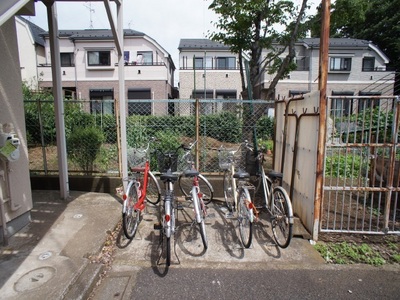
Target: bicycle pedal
{"type": "Point", "coordinates": [157, 226]}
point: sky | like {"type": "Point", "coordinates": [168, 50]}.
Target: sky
{"type": "Point", "coordinates": [166, 21]}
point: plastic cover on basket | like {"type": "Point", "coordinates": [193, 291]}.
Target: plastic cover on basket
{"type": "Point", "coordinates": [167, 161]}
{"type": "Point", "coordinates": [137, 157]}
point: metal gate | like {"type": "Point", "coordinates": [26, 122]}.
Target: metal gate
{"type": "Point", "coordinates": [362, 158]}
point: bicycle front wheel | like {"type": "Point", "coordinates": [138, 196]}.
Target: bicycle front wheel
{"type": "Point", "coordinates": [153, 191]}
{"type": "Point", "coordinates": [228, 190]}
{"type": "Point", "coordinates": [130, 216]}
{"type": "Point", "coordinates": [245, 217]}
{"type": "Point", "coordinates": [186, 183]}
{"type": "Point", "coordinates": [282, 217]}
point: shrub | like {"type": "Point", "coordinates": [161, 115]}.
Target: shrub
{"type": "Point", "coordinates": [84, 145]}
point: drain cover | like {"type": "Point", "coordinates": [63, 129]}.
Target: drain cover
{"type": "Point", "coordinates": [34, 279]}
{"type": "Point", "coordinates": [45, 255]}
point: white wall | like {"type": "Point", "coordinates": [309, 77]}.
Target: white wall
{"type": "Point", "coordinates": [12, 111]}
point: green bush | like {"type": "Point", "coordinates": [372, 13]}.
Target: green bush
{"type": "Point", "coordinates": [265, 128]}
{"type": "Point", "coordinates": [84, 145]}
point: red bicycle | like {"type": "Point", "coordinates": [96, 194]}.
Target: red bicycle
{"type": "Point", "coordinates": [142, 187]}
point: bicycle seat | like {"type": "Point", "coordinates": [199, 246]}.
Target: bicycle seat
{"type": "Point", "coordinates": [275, 175]}
{"type": "Point", "coordinates": [137, 169]}
{"type": "Point", "coordinates": [191, 173]}
{"type": "Point", "coordinates": [241, 175]}
{"type": "Point", "coordinates": [168, 176]}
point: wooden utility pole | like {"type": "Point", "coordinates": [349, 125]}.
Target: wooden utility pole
{"type": "Point", "coordinates": [323, 78]}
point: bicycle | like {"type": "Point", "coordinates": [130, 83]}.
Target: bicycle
{"type": "Point", "coordinates": [168, 166]}
{"type": "Point", "coordinates": [185, 183]}
{"type": "Point", "coordinates": [276, 200]}
{"type": "Point", "coordinates": [142, 187]}
{"type": "Point", "coordinates": [196, 194]}
{"type": "Point", "coordinates": [236, 193]}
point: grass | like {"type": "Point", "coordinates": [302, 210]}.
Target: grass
{"type": "Point", "coordinates": [359, 253]}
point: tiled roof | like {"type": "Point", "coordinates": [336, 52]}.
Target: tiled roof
{"type": "Point", "coordinates": [204, 44]}
{"type": "Point", "coordinates": [36, 31]}
{"type": "Point", "coordinates": [337, 42]}
{"type": "Point", "coordinates": [94, 34]}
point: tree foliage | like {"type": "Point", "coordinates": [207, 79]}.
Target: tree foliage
{"type": "Point", "coordinates": [248, 27]}
{"type": "Point", "coordinates": [373, 20]}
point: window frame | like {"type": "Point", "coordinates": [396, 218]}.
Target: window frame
{"type": "Point", "coordinates": [226, 61]}
{"type": "Point", "coordinates": [107, 54]}
{"type": "Point", "coordinates": [365, 60]}
{"type": "Point", "coordinates": [145, 55]}
{"type": "Point", "coordinates": [344, 64]}
{"type": "Point", "coordinates": [69, 56]}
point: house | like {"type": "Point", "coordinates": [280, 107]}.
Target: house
{"type": "Point", "coordinates": [356, 67]}
{"type": "Point", "coordinates": [208, 69]}
{"type": "Point", "coordinates": [31, 50]}
{"type": "Point", "coordinates": [89, 69]}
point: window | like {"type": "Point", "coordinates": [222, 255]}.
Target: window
{"type": "Point", "coordinates": [198, 63]}
{"type": "Point", "coordinates": [101, 102]}
{"type": "Point", "coordinates": [226, 62]}
{"type": "Point", "coordinates": [340, 64]}
{"type": "Point", "coordinates": [137, 104]}
{"type": "Point", "coordinates": [144, 58]}
{"type": "Point", "coordinates": [67, 59]}
{"type": "Point", "coordinates": [366, 103]}
{"type": "Point", "coordinates": [341, 106]}
{"type": "Point", "coordinates": [368, 64]}
{"type": "Point", "coordinates": [302, 63]}
{"type": "Point", "coordinates": [226, 94]}
{"type": "Point", "coordinates": [99, 58]}
{"type": "Point", "coordinates": [201, 62]}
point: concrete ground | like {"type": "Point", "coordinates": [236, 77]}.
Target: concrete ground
{"type": "Point", "coordinates": [51, 257]}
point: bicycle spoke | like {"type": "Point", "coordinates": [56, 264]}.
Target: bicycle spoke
{"type": "Point", "coordinates": [281, 225]}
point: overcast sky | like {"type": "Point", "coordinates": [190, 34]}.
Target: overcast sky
{"type": "Point", "coordinates": [166, 21]}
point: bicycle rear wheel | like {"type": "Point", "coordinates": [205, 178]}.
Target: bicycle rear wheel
{"type": "Point", "coordinates": [153, 192]}
{"type": "Point", "coordinates": [186, 183]}
{"type": "Point", "coordinates": [282, 217]}
{"type": "Point", "coordinates": [228, 190]}
{"type": "Point", "coordinates": [166, 220]}
{"type": "Point", "coordinates": [245, 218]}
{"type": "Point", "coordinates": [200, 215]}
{"type": "Point", "coordinates": [130, 216]}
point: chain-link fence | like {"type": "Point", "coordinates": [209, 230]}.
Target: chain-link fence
{"type": "Point", "coordinates": [91, 134]}
{"type": "Point", "coordinates": [92, 131]}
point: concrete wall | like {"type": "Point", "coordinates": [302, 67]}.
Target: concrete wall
{"type": "Point", "coordinates": [18, 200]}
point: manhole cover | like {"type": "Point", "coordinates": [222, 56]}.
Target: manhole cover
{"type": "Point", "coordinates": [34, 279]}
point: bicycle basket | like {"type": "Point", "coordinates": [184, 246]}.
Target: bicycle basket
{"type": "Point", "coordinates": [137, 157]}
{"type": "Point", "coordinates": [226, 158]}
{"type": "Point", "coordinates": [167, 161]}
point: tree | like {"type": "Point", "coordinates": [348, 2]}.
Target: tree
{"type": "Point", "coordinates": [373, 20]}
{"type": "Point", "coordinates": [249, 26]}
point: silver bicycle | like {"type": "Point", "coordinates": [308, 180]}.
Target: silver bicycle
{"type": "Point", "coordinates": [196, 194]}
{"type": "Point", "coordinates": [236, 192]}
{"type": "Point", "coordinates": [275, 200]}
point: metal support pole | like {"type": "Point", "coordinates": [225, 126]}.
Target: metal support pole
{"type": "Point", "coordinates": [58, 99]}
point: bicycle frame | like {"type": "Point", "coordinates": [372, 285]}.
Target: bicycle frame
{"type": "Point", "coordinates": [141, 188]}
